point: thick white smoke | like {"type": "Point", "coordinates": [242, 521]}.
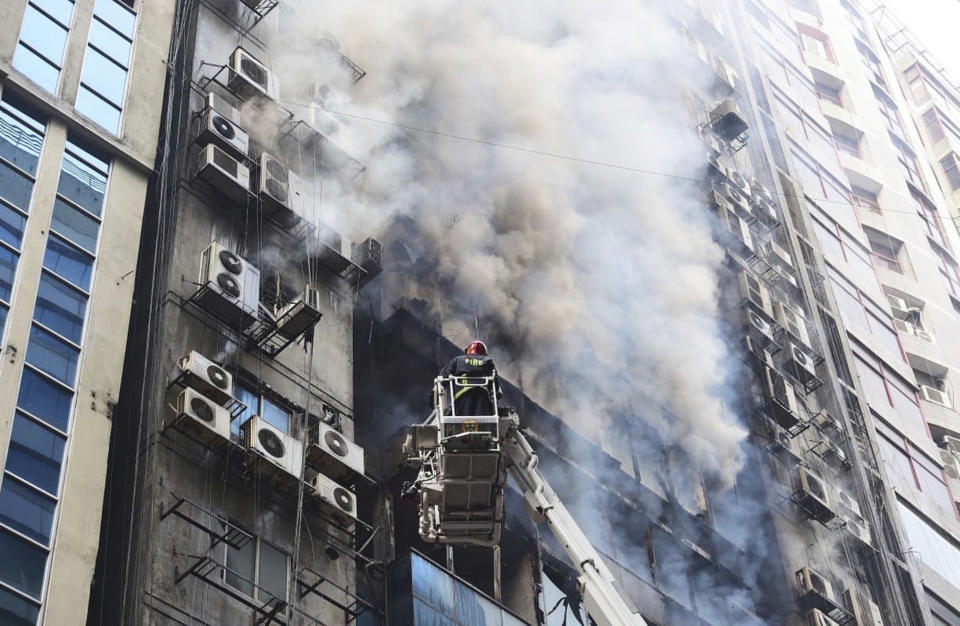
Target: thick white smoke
{"type": "Point", "coordinates": [597, 284]}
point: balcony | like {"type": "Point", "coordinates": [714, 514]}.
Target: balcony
{"type": "Point", "coordinates": [861, 173]}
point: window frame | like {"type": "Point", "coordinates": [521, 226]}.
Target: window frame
{"type": "Point", "coordinates": [258, 541]}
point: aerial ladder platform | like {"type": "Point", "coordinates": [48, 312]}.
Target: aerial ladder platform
{"type": "Point", "coordinates": [463, 463]}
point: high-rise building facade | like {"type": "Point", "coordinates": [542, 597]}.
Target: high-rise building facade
{"type": "Point", "coordinates": [722, 291]}
{"type": "Point", "coordinates": [80, 105]}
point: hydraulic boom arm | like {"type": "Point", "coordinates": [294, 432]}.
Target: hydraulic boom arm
{"type": "Point", "coordinates": [603, 601]}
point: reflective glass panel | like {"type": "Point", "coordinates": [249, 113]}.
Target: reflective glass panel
{"type": "Point", "coordinates": [431, 584]}
{"type": "Point", "coordinates": [12, 224]}
{"type": "Point", "coordinates": [117, 15]}
{"type": "Point", "coordinates": [98, 109]}
{"type": "Point", "coordinates": [104, 76]}
{"type": "Point", "coordinates": [61, 10]}
{"type": "Point", "coordinates": [26, 510]}
{"type": "Point", "coordinates": [82, 183]}
{"type": "Point", "coordinates": [424, 615]}
{"type": "Point", "coordinates": [43, 35]}
{"type": "Point", "coordinates": [36, 68]}
{"type": "Point", "coordinates": [19, 143]}
{"type": "Point", "coordinates": [248, 398]}
{"type": "Point", "coordinates": [52, 355]}
{"type": "Point", "coordinates": [8, 267]}
{"type": "Point", "coordinates": [42, 398]}
{"type": "Point", "coordinates": [23, 564]}
{"type": "Point", "coordinates": [68, 262]}
{"type": "Point", "coordinates": [109, 42]}
{"type": "Point", "coordinates": [75, 225]}
{"type": "Point", "coordinates": [272, 576]}
{"type": "Point", "coordinates": [15, 187]}
{"type": "Point", "coordinates": [275, 416]}
{"type": "Point", "coordinates": [35, 453]}
{"type": "Point", "coordinates": [15, 611]}
{"type": "Point", "coordinates": [239, 574]}
{"type": "Point", "coordinates": [60, 308]}
{"type": "Point", "coordinates": [3, 317]}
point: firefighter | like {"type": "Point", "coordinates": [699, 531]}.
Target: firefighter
{"type": "Point", "coordinates": [473, 363]}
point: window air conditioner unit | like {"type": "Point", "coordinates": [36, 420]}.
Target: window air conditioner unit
{"type": "Point", "coordinates": [897, 304]}
{"type": "Point", "coordinates": [903, 327]}
{"type": "Point", "coordinates": [755, 292]}
{"type": "Point", "coordinates": [757, 327]}
{"type": "Point", "coordinates": [760, 193]}
{"type": "Point", "coordinates": [922, 334]}
{"type": "Point", "coordinates": [220, 128]}
{"type": "Point", "coordinates": [201, 417]}
{"type": "Point", "coordinates": [810, 583]}
{"type": "Point", "coordinates": [282, 193]}
{"type": "Point", "coordinates": [864, 610]}
{"type": "Point", "coordinates": [369, 256]}
{"type": "Point", "coordinates": [733, 199]}
{"type": "Point", "coordinates": [328, 248]}
{"type": "Point", "coordinates": [275, 446]}
{"type": "Point", "coordinates": [299, 316]}
{"type": "Point", "coordinates": [782, 406]}
{"type": "Point", "coordinates": [248, 77]}
{"type": "Point", "coordinates": [230, 286]}
{"type": "Point", "coordinates": [725, 118]}
{"type": "Point", "coordinates": [812, 495]}
{"type": "Point", "coordinates": [780, 254]}
{"type": "Point", "coordinates": [337, 499]}
{"type": "Point", "coordinates": [834, 455]}
{"type": "Point", "coordinates": [331, 453]}
{"type": "Point", "coordinates": [222, 171]}
{"type": "Point", "coordinates": [828, 424]}
{"type": "Point", "coordinates": [756, 352]}
{"type": "Point", "coordinates": [951, 443]}
{"type": "Point", "coordinates": [950, 466]}
{"type": "Point", "coordinates": [207, 377]}
{"type": "Point", "coordinates": [935, 395]}
{"type": "Point", "coordinates": [738, 229]}
{"type": "Point", "coordinates": [741, 184]}
{"type": "Point", "coordinates": [783, 446]}
{"type": "Point", "coordinates": [792, 321]}
{"type": "Point", "coordinates": [848, 503]}
{"type": "Point", "coordinates": [859, 528]}
{"type": "Point", "coordinates": [819, 618]}
{"type": "Point", "coordinates": [799, 364]}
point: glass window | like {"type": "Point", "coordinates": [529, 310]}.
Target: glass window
{"type": "Point", "coordinates": [44, 399]}
{"type": "Point", "coordinates": [109, 42]}
{"type": "Point", "coordinates": [951, 168]}
{"type": "Point", "coordinates": [20, 139]}
{"type": "Point", "coordinates": [431, 584]}
{"type": "Point", "coordinates": [103, 76]}
{"type": "Point", "coordinates": [23, 564]}
{"type": "Point", "coordinates": [76, 225]}
{"type": "Point", "coordinates": [43, 38]}
{"type": "Point", "coordinates": [240, 562]}
{"type": "Point", "coordinates": [8, 267]}
{"type": "Point", "coordinates": [68, 262]}
{"type": "Point", "coordinates": [272, 571]}
{"type": "Point", "coordinates": [36, 68]}
{"type": "Point", "coordinates": [275, 416]}
{"type": "Point", "coordinates": [934, 549]}
{"type": "Point", "coordinates": [60, 10]}
{"type": "Point", "coordinates": [83, 181]}
{"type": "Point", "coordinates": [15, 186]}
{"type": "Point", "coordinates": [118, 16]}
{"type": "Point", "coordinates": [3, 317]}
{"type": "Point", "coordinates": [873, 384]}
{"type": "Point", "coordinates": [17, 611]}
{"type": "Point", "coordinates": [26, 510]}
{"type": "Point", "coordinates": [44, 35]}
{"type": "Point", "coordinates": [35, 453]}
{"type": "Point", "coordinates": [99, 110]}
{"type": "Point", "coordinates": [250, 399]}
{"type": "Point", "coordinates": [52, 355]}
{"type": "Point", "coordinates": [60, 307]}
{"type": "Point", "coordinates": [12, 224]}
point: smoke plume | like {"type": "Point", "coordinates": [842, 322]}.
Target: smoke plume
{"type": "Point", "coordinates": [596, 285]}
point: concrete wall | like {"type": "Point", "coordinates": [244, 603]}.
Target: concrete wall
{"type": "Point", "coordinates": [75, 543]}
